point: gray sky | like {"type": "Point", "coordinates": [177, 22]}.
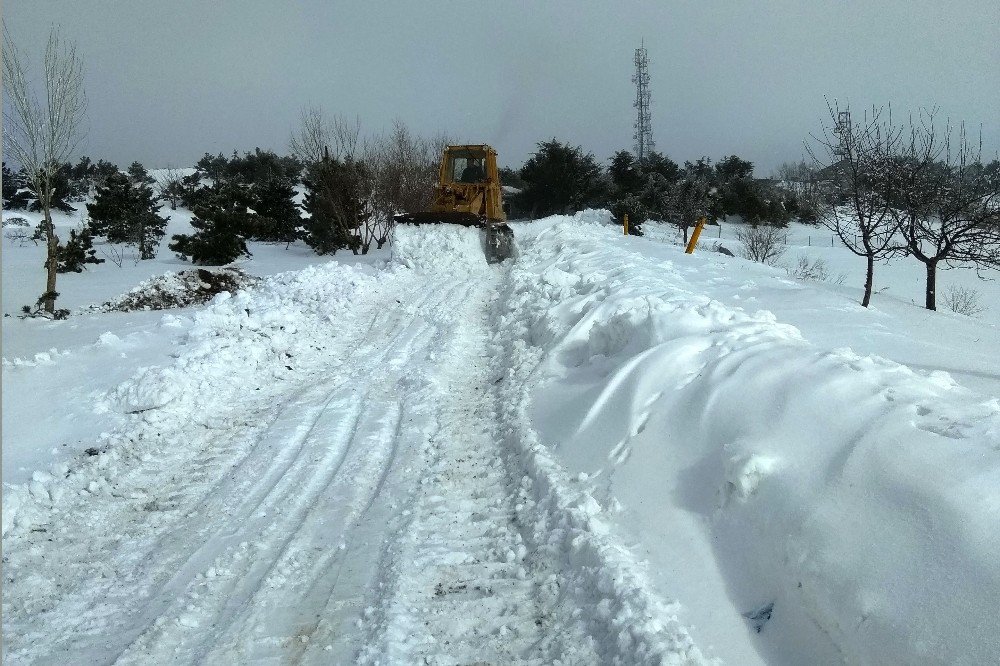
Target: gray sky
{"type": "Point", "coordinates": [169, 80]}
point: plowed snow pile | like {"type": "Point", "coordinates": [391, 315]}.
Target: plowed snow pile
{"type": "Point", "coordinates": [178, 290]}
{"type": "Point", "coordinates": [847, 505]}
{"type": "Point", "coordinates": [435, 247]}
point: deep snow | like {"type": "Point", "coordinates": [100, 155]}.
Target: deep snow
{"type": "Point", "coordinates": [854, 494]}
{"type": "Point", "coordinates": [604, 451]}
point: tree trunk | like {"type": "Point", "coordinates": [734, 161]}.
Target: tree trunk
{"type": "Point", "coordinates": [685, 229]}
{"type": "Point", "coordinates": [869, 281]}
{"type": "Point", "coordinates": [931, 293]}
{"type": "Point", "coordinates": [51, 258]}
{"type": "Point", "coordinates": [52, 246]}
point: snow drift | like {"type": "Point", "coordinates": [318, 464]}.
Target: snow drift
{"type": "Point", "coordinates": [852, 504]}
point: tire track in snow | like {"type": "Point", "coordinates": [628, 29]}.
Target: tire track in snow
{"type": "Point", "coordinates": [463, 586]}
{"type": "Point", "coordinates": [146, 573]}
{"type": "Point", "coordinates": [275, 543]}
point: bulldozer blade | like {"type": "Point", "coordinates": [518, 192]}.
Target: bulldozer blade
{"type": "Point", "coordinates": [499, 243]}
{"type": "Point", "coordinates": [450, 217]}
{"type": "Point", "coordinates": [497, 237]}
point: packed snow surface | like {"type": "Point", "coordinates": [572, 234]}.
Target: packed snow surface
{"type": "Point", "coordinates": [605, 451]}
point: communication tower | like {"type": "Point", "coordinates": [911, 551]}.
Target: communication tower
{"type": "Point", "coordinates": [843, 130]}
{"type": "Point", "coordinates": [643, 128]}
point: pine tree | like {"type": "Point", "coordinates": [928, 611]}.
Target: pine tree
{"type": "Point", "coordinates": [334, 191]}
{"type": "Point", "coordinates": [101, 171]}
{"type": "Point", "coordinates": [62, 191]}
{"type": "Point", "coordinates": [125, 211]}
{"type": "Point", "coordinates": [14, 196]}
{"type": "Point", "coordinates": [112, 206]}
{"type": "Point", "coordinates": [222, 225]}
{"type": "Point", "coordinates": [560, 178]}
{"type": "Point", "coordinates": [278, 219]}
{"type": "Point", "coordinates": [138, 174]}
{"type": "Point", "coordinates": [147, 227]}
{"type": "Point", "coordinates": [77, 252]}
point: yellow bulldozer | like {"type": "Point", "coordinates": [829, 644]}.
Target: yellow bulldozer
{"type": "Point", "coordinates": [468, 193]}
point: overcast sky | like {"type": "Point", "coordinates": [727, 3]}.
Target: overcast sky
{"type": "Point", "coordinates": [168, 80]}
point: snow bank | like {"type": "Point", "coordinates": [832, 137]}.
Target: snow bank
{"type": "Point", "coordinates": [437, 247]}
{"type": "Point", "coordinates": [852, 504]}
{"type": "Point", "coordinates": [600, 581]}
{"type": "Point", "coordinates": [252, 344]}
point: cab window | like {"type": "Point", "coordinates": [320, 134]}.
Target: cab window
{"type": "Point", "coordinates": [458, 166]}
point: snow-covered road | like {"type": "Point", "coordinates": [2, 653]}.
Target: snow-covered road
{"type": "Point", "coordinates": [577, 457]}
{"type": "Point", "coordinates": [360, 505]}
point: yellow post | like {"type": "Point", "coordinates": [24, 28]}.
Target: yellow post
{"type": "Point", "coordinates": [694, 236]}
{"type": "Point", "coordinates": [625, 224]}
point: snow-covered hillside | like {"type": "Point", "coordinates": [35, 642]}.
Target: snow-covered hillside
{"type": "Point", "coordinates": [605, 451]}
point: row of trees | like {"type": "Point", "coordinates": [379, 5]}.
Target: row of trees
{"type": "Point", "coordinates": [888, 189]}
{"type": "Point", "coordinates": [918, 189]}
{"type": "Point", "coordinates": [560, 178]}
{"type": "Point", "coordinates": [352, 190]}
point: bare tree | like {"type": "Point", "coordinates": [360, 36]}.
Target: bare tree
{"type": "Point", "coordinates": [762, 243]}
{"type": "Point", "coordinates": [857, 156]}
{"type": "Point", "coordinates": [403, 169]}
{"type": "Point", "coordinates": [319, 136]}
{"type": "Point", "coordinates": [947, 204]}
{"type": "Point", "coordinates": [170, 186]}
{"type": "Point", "coordinates": [43, 135]}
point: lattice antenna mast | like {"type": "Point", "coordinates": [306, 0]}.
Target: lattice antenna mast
{"type": "Point", "coordinates": [643, 127]}
{"type": "Point", "coordinates": [844, 130]}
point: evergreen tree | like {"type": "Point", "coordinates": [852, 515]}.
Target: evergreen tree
{"type": "Point", "coordinates": [102, 170]}
{"type": "Point", "coordinates": [213, 167]}
{"type": "Point", "coordinates": [658, 163]}
{"type": "Point", "coordinates": [62, 192]}
{"type": "Point", "coordinates": [334, 200]}
{"type": "Point", "coordinates": [626, 176]}
{"type": "Point", "coordinates": [125, 211]}
{"type": "Point", "coordinates": [561, 179]}
{"type": "Point", "coordinates": [146, 227]}
{"type": "Point", "coordinates": [112, 206]}
{"type": "Point", "coordinates": [138, 175]}
{"type": "Point", "coordinates": [15, 197]}
{"type": "Point", "coordinates": [278, 219]}
{"type": "Point", "coordinates": [78, 251]}
{"type": "Point", "coordinates": [642, 189]}
{"type": "Point", "coordinates": [82, 170]}
{"type": "Point", "coordinates": [636, 210]}
{"type": "Point", "coordinates": [221, 224]}
{"type": "Point", "coordinates": [510, 177]}
{"type": "Point", "coordinates": [191, 189]}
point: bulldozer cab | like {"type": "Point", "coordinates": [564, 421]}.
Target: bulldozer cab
{"type": "Point", "coordinates": [469, 184]}
{"type": "Point", "coordinates": [465, 165]}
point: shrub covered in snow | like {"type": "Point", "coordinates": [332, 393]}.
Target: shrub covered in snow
{"type": "Point", "coordinates": [762, 243]}
{"type": "Point", "coordinates": [964, 301]}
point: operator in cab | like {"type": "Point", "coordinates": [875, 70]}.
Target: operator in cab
{"type": "Point", "coordinates": [473, 172]}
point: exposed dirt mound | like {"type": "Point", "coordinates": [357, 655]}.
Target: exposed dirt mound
{"type": "Point", "coordinates": [177, 290]}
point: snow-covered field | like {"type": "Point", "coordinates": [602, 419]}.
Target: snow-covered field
{"type": "Point", "coordinates": [605, 451]}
